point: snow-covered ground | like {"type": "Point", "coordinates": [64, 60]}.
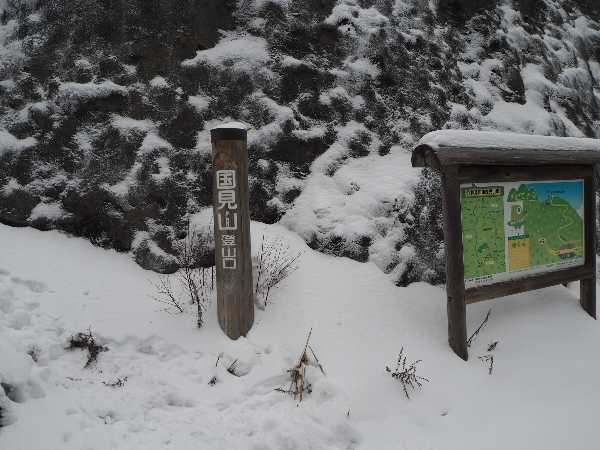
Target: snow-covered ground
{"type": "Point", "coordinates": [544, 391]}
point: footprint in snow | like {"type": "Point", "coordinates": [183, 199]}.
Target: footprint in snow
{"type": "Point", "coordinates": [35, 286]}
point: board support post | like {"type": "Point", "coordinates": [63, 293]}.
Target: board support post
{"type": "Point", "coordinates": [455, 285]}
{"type": "Point", "coordinates": [587, 286]}
{"type": "Point", "coordinates": [587, 292]}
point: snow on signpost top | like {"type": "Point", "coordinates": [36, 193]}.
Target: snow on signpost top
{"type": "Point", "coordinates": [229, 130]}
{"type": "Point", "coordinates": [230, 125]}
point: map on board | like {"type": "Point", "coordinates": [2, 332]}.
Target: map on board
{"type": "Point", "coordinates": [521, 228]}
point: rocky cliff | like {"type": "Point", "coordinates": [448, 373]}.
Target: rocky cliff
{"type": "Point", "coordinates": [105, 108]}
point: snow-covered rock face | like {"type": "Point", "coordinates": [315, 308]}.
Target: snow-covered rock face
{"type": "Point", "coordinates": [107, 136]}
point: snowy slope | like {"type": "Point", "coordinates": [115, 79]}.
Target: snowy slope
{"type": "Point", "coordinates": [542, 394]}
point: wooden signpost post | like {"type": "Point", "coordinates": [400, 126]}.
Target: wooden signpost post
{"type": "Point", "coordinates": [519, 215]}
{"type": "Point", "coordinates": [235, 298]}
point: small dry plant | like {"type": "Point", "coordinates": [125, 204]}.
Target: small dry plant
{"type": "Point", "coordinates": [276, 261]}
{"type": "Point", "coordinates": [407, 374]}
{"type": "Point", "coordinates": [197, 283]}
{"type": "Point", "coordinates": [119, 382]}
{"type": "Point", "coordinates": [489, 358]}
{"type": "Point", "coordinates": [298, 382]}
{"type": "Point", "coordinates": [86, 341]}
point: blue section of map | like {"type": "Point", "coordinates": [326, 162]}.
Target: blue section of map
{"type": "Point", "coordinates": [571, 191]}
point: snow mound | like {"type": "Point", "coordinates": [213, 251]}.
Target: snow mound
{"type": "Point", "coordinates": [127, 124]}
{"type": "Point", "coordinates": [50, 211]}
{"type": "Point", "coordinates": [245, 53]}
{"type": "Point", "coordinates": [84, 91]}
{"type": "Point", "coordinates": [199, 102]}
{"type": "Point", "coordinates": [9, 143]}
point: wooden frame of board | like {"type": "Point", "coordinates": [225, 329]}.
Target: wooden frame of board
{"type": "Point", "coordinates": [460, 165]}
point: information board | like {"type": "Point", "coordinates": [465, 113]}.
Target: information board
{"type": "Point", "coordinates": [515, 229]}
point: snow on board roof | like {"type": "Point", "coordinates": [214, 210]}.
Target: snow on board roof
{"type": "Point", "coordinates": [451, 147]}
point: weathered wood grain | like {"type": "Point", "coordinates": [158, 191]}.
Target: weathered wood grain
{"type": "Point", "coordinates": [235, 297]}
{"type": "Point", "coordinates": [587, 287]}
{"type": "Point", "coordinates": [530, 283]}
{"type": "Point", "coordinates": [426, 156]}
{"type": "Point", "coordinates": [455, 283]}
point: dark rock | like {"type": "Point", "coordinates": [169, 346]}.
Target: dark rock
{"type": "Point", "coordinates": [309, 105]}
{"type": "Point", "coordinates": [183, 129]}
{"type": "Point", "coordinates": [259, 208]}
{"type": "Point", "coordinates": [303, 78]}
{"type": "Point", "coordinates": [517, 87]}
{"type": "Point", "coordinates": [291, 195]}
{"type": "Point", "coordinates": [16, 206]}
{"type": "Point", "coordinates": [97, 215]}
{"type": "Point", "coordinates": [114, 102]}
{"type": "Point", "coordinates": [359, 145]}
{"type": "Point", "coordinates": [462, 10]}
{"type": "Point", "coordinates": [533, 12]}
{"type": "Point", "coordinates": [357, 250]}
{"type": "Point", "coordinates": [149, 256]}
{"type": "Point", "coordinates": [110, 66]}
{"type": "Point", "coordinates": [13, 392]}
{"type": "Point", "coordinates": [591, 7]}
{"type": "Point", "coordinates": [297, 151]}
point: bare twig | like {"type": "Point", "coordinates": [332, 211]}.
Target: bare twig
{"type": "Point", "coordinates": [479, 328]}
{"type": "Point", "coordinates": [165, 293]}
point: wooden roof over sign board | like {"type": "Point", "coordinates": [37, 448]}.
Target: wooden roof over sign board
{"type": "Point", "coordinates": [439, 149]}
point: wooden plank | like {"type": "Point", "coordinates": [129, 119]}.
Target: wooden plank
{"type": "Point", "coordinates": [588, 287]}
{"type": "Point", "coordinates": [235, 295]}
{"type": "Point", "coordinates": [455, 284]}
{"type": "Point", "coordinates": [478, 174]}
{"type": "Point", "coordinates": [530, 283]}
{"type": "Point", "coordinates": [512, 157]}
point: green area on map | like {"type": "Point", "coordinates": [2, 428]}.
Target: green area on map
{"type": "Point", "coordinates": [482, 211]}
{"type": "Point", "coordinates": [546, 215]}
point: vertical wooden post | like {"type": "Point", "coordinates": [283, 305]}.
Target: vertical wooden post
{"type": "Point", "coordinates": [455, 282]}
{"type": "Point", "coordinates": [235, 298]}
{"type": "Point", "coordinates": [587, 289]}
